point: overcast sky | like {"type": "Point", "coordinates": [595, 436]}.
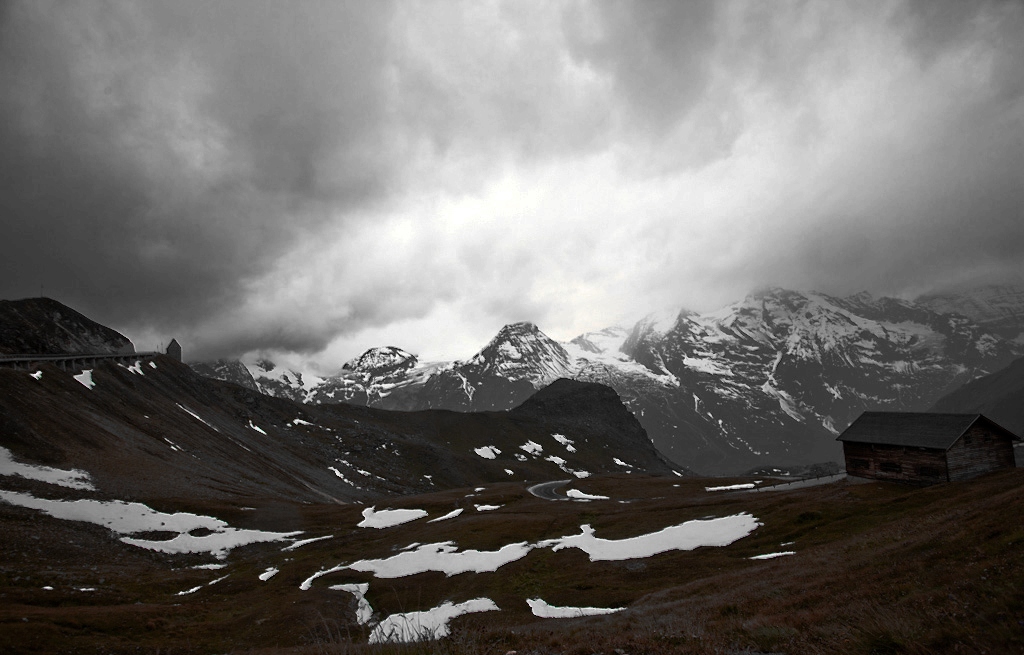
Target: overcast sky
{"type": "Point", "coordinates": [311, 179]}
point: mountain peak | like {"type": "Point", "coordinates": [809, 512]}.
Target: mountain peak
{"type": "Point", "coordinates": [521, 350]}
{"type": "Point", "coordinates": [382, 360]}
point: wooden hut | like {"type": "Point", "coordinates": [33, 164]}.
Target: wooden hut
{"type": "Point", "coordinates": [925, 448]}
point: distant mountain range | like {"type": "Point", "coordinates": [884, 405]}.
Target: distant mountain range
{"type": "Point", "coordinates": [769, 380]}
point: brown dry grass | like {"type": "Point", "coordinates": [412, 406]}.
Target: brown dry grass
{"type": "Point", "coordinates": [879, 569]}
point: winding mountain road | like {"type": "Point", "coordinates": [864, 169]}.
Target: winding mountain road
{"type": "Point", "coordinates": [546, 490]}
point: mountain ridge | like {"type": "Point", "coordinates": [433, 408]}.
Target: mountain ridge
{"type": "Point", "coordinates": [767, 380]}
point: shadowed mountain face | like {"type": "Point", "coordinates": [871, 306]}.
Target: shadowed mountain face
{"type": "Point", "coordinates": [767, 381]}
{"type": "Point", "coordinates": [999, 396]}
{"type": "Point", "coordinates": [42, 326]}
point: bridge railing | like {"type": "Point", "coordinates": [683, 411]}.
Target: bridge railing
{"type": "Point", "coordinates": [65, 362]}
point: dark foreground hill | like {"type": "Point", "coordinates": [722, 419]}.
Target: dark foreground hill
{"type": "Point", "coordinates": [159, 430]}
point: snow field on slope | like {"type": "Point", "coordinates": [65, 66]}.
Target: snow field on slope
{"type": "Point", "coordinates": [131, 518]}
{"type": "Point", "coordinates": [70, 478]}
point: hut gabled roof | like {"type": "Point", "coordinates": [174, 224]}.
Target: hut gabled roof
{"type": "Point", "coordinates": [914, 429]}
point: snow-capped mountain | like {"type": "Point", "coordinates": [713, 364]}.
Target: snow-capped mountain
{"type": "Point", "coordinates": [770, 379]}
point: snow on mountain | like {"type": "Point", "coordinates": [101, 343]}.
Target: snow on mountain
{"type": "Point", "coordinates": [770, 379]}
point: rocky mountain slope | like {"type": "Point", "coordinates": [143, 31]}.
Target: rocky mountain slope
{"type": "Point", "coordinates": [157, 429]}
{"type": "Point", "coordinates": [768, 380]}
{"type": "Point", "coordinates": [44, 326]}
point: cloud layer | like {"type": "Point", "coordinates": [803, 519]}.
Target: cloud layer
{"type": "Point", "coordinates": [318, 178]}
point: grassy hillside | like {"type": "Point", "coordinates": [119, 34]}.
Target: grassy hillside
{"type": "Point", "coordinates": [878, 568]}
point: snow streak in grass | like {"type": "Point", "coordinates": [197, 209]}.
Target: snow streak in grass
{"type": "Point", "coordinates": [429, 625]}
{"type": "Point", "coordinates": [487, 508]}
{"type": "Point", "coordinates": [130, 518]}
{"type": "Point", "coordinates": [450, 515]}
{"type": "Point", "coordinates": [303, 542]}
{"type": "Point", "coordinates": [731, 487]}
{"type": "Point", "coordinates": [543, 610]}
{"type": "Point", "coordinates": [487, 452]}
{"type": "Point", "coordinates": [579, 495]}
{"type": "Point", "coordinates": [85, 378]}
{"type": "Point", "coordinates": [38, 375]}
{"type": "Point", "coordinates": [774, 555]}
{"type": "Point", "coordinates": [194, 415]}
{"type": "Point", "coordinates": [387, 518]}
{"type": "Point", "coordinates": [71, 478]}
{"type": "Point", "coordinates": [256, 428]}
{"type": "Point", "coordinates": [364, 613]}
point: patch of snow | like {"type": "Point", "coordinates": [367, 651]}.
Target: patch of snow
{"type": "Point", "coordinates": [510, 471]}
{"type": "Point", "coordinates": [364, 613]}
{"type": "Point", "coordinates": [208, 567]}
{"type": "Point", "coordinates": [427, 625]}
{"type": "Point", "coordinates": [136, 368]}
{"type": "Point", "coordinates": [579, 495]}
{"type": "Point", "coordinates": [487, 508]}
{"type": "Point", "coordinates": [622, 463]}
{"type": "Point", "coordinates": [542, 610]}
{"type": "Point", "coordinates": [387, 518]}
{"type": "Point", "coordinates": [71, 478]}
{"type": "Point", "coordinates": [152, 364]}
{"type": "Point", "coordinates": [443, 557]}
{"type": "Point", "coordinates": [85, 378]}
{"type": "Point", "coordinates": [38, 375]}
{"type": "Point", "coordinates": [450, 515]}
{"type": "Point", "coordinates": [487, 452]}
{"type": "Point", "coordinates": [565, 441]}
{"type": "Point", "coordinates": [269, 573]}
{"type": "Point", "coordinates": [532, 447]}
{"type": "Point", "coordinates": [189, 591]}
{"type": "Point", "coordinates": [131, 518]}
{"type": "Point", "coordinates": [303, 542]}
{"type": "Point", "coordinates": [773, 555]}
{"type": "Point", "coordinates": [257, 428]}
{"type": "Point", "coordinates": [299, 421]}
{"type": "Point", "coordinates": [731, 487]}
{"type": "Point", "coordinates": [685, 536]}
{"type": "Point", "coordinates": [581, 474]}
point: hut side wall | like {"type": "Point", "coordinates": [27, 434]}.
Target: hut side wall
{"type": "Point", "coordinates": [897, 463]}
{"type": "Point", "coordinates": [980, 450]}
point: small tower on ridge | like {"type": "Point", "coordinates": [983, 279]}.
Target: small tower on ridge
{"type": "Point", "coordinates": [174, 349]}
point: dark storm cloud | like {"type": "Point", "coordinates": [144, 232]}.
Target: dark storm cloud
{"type": "Point", "coordinates": [260, 176]}
{"type": "Point", "coordinates": [154, 156]}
